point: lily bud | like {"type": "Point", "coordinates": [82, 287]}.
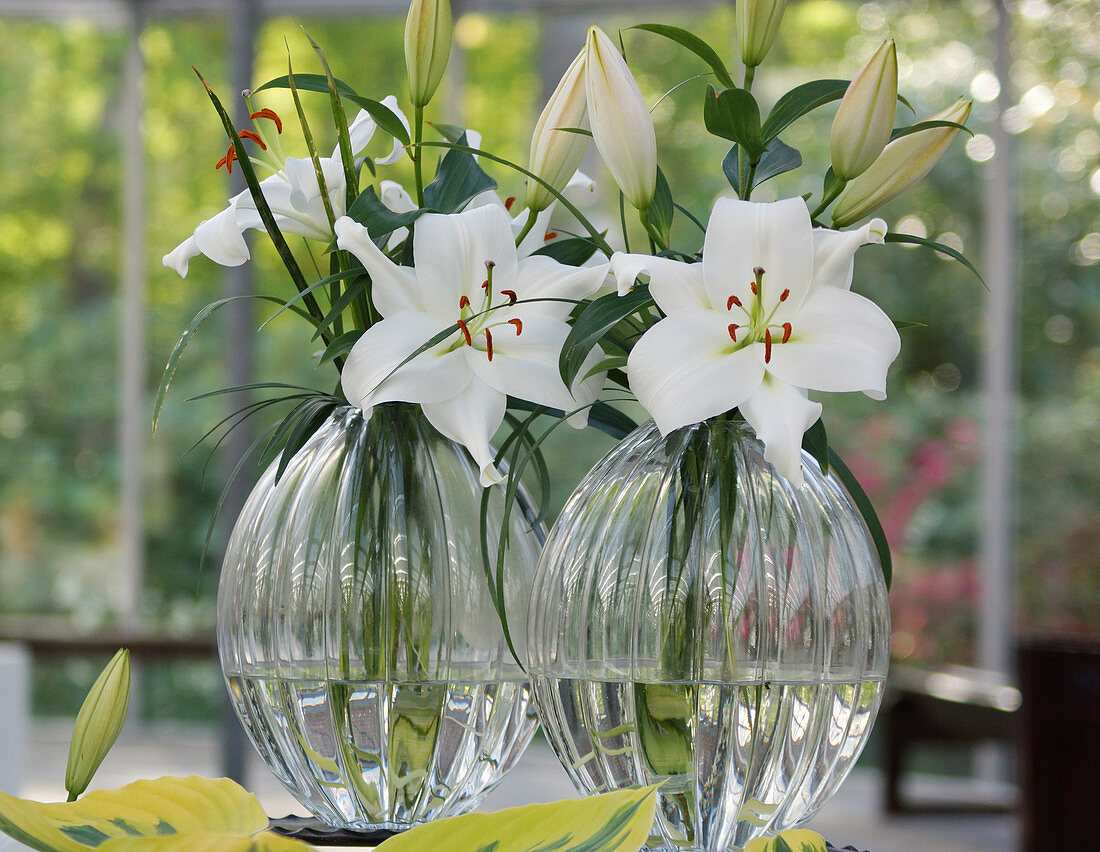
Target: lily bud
{"type": "Point", "coordinates": [757, 24]}
{"type": "Point", "coordinates": [428, 33]}
{"type": "Point", "coordinates": [98, 723]}
{"type": "Point", "coordinates": [902, 163]}
{"type": "Point", "coordinates": [865, 119]}
{"type": "Point", "coordinates": [621, 124]}
{"type": "Point", "coordinates": [555, 153]}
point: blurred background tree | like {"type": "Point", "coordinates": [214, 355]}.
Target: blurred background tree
{"type": "Point", "coordinates": [918, 455]}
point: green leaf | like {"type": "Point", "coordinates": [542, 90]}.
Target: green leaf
{"type": "Point", "coordinates": [185, 338]}
{"type": "Point", "coordinates": [580, 131]}
{"type": "Point", "coordinates": [340, 121]}
{"type": "Point", "coordinates": [196, 813]}
{"type": "Point", "coordinates": [611, 362]}
{"type": "Point", "coordinates": [777, 159]}
{"type": "Point", "coordinates": [383, 116]}
{"type": "Point", "coordinates": [734, 114]}
{"type": "Point", "coordinates": [867, 510]}
{"type": "Point", "coordinates": [612, 822]}
{"type": "Point", "coordinates": [696, 45]}
{"type": "Point", "coordinates": [458, 179]}
{"type": "Point", "coordinates": [816, 443]}
{"type": "Point", "coordinates": [661, 209]}
{"type": "Point", "coordinates": [594, 321]}
{"type": "Point", "coordinates": [340, 346]}
{"type": "Point", "coordinates": [799, 101]}
{"type": "Point", "coordinates": [572, 252]}
{"type": "Point", "coordinates": [369, 211]}
{"type": "Point", "coordinates": [912, 239]}
{"type": "Point", "coordinates": [898, 132]}
{"type": "Point", "coordinates": [795, 840]}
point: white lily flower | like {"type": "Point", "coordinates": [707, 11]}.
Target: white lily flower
{"type": "Point", "coordinates": [766, 316]}
{"type": "Point", "coordinates": [467, 272]}
{"type": "Point", "coordinates": [294, 196]}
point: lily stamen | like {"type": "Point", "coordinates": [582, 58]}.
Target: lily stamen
{"type": "Point", "coordinates": [254, 136]}
{"type": "Point", "coordinates": [733, 331]}
{"type": "Point", "coordinates": [518, 323]}
{"type": "Point", "coordinates": [731, 301]}
{"type": "Point", "coordinates": [466, 331]}
{"type": "Point", "coordinates": [509, 201]}
{"type": "Point", "coordinates": [767, 345]}
{"type": "Point", "coordinates": [786, 332]}
{"type": "Point", "coordinates": [227, 160]}
{"type": "Point", "coordinates": [269, 114]}
{"type": "Point", "coordinates": [512, 297]}
{"type": "Point", "coordinates": [489, 344]}
{"type": "Point", "coordinates": [550, 235]}
{"type": "Point", "coordinates": [464, 302]}
{"type": "Point", "coordinates": [783, 296]}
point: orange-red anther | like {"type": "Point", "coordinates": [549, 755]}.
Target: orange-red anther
{"type": "Point", "coordinates": [489, 344]}
{"type": "Point", "coordinates": [511, 294]}
{"type": "Point", "coordinates": [485, 284]}
{"type": "Point", "coordinates": [752, 286]}
{"type": "Point", "coordinates": [733, 331]}
{"type": "Point", "coordinates": [268, 113]}
{"type": "Point", "coordinates": [464, 302]}
{"type": "Point", "coordinates": [518, 323]}
{"type": "Point", "coordinates": [227, 160]}
{"type": "Point", "coordinates": [767, 345]}
{"type": "Point", "coordinates": [254, 136]}
{"type": "Point", "coordinates": [466, 331]}
{"type": "Point", "coordinates": [550, 235]}
{"type": "Point", "coordinates": [731, 301]}
{"type": "Point", "coordinates": [786, 331]}
{"type": "Point", "coordinates": [509, 201]}
{"type": "Point", "coordinates": [783, 296]}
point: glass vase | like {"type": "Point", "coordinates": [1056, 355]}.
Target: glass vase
{"type": "Point", "coordinates": [698, 621]}
{"type": "Point", "coordinates": [360, 643]}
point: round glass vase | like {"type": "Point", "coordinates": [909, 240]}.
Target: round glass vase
{"type": "Point", "coordinates": [358, 637]}
{"type": "Point", "coordinates": [699, 622]}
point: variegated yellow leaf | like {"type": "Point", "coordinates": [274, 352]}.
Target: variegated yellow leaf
{"type": "Point", "coordinates": [614, 822]}
{"type": "Point", "coordinates": [795, 840]}
{"type": "Point", "coordinates": [267, 841]}
{"type": "Point", "coordinates": [164, 808]}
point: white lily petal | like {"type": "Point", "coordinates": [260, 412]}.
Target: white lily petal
{"type": "Point", "coordinates": [451, 252]}
{"type": "Point", "coordinates": [220, 238]}
{"type": "Point", "coordinates": [372, 374]}
{"type": "Point", "coordinates": [525, 362]}
{"type": "Point", "coordinates": [781, 414]}
{"type": "Point", "coordinates": [682, 370]}
{"type": "Point", "coordinates": [742, 235]}
{"type": "Point", "coordinates": [179, 257]}
{"type": "Point", "coordinates": [360, 132]}
{"type": "Point", "coordinates": [840, 341]}
{"type": "Point", "coordinates": [394, 288]}
{"type": "Point", "coordinates": [395, 197]}
{"type": "Point", "coordinates": [398, 149]}
{"type": "Point", "coordinates": [835, 252]}
{"type": "Point", "coordinates": [304, 203]}
{"type": "Point", "coordinates": [543, 277]}
{"type": "Point", "coordinates": [675, 286]}
{"type": "Point", "coordinates": [471, 419]}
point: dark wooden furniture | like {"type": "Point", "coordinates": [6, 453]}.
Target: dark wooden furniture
{"type": "Point", "coordinates": [1060, 742]}
{"type": "Point", "coordinates": [954, 706]}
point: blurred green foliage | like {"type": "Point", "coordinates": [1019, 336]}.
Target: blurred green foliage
{"type": "Point", "coordinates": [918, 454]}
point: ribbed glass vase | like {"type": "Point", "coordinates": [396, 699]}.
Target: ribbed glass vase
{"type": "Point", "coordinates": [360, 643]}
{"type": "Point", "coordinates": [698, 621]}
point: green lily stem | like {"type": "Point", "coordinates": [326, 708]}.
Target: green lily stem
{"type": "Point", "coordinates": [655, 238]}
{"type": "Point", "coordinates": [829, 197]}
{"type": "Point", "coordinates": [743, 170]}
{"type": "Point", "coordinates": [532, 216]}
{"type": "Point", "coordinates": [418, 157]}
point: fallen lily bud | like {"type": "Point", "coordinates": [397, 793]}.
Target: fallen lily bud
{"type": "Point", "coordinates": [621, 124]}
{"type": "Point", "coordinates": [98, 723]}
{"type": "Point", "coordinates": [901, 164]}
{"type": "Point", "coordinates": [428, 31]}
{"type": "Point", "coordinates": [556, 154]}
{"type": "Point", "coordinates": [865, 119]}
{"type": "Point", "coordinates": [757, 23]}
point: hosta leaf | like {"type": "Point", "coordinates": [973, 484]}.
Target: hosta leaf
{"type": "Point", "coordinates": [795, 840]}
{"type": "Point", "coordinates": [614, 822]}
{"type": "Point", "coordinates": [269, 841]}
{"type": "Point", "coordinates": [214, 809]}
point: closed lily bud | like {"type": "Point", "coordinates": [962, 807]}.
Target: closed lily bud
{"type": "Point", "coordinates": [865, 119]}
{"type": "Point", "coordinates": [757, 23]}
{"type": "Point", "coordinates": [902, 163]}
{"type": "Point", "coordinates": [98, 723]}
{"type": "Point", "coordinates": [621, 124]}
{"type": "Point", "coordinates": [555, 153]}
{"type": "Point", "coordinates": [428, 33]}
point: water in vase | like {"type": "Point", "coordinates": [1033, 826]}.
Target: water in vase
{"type": "Point", "coordinates": [737, 759]}
{"type": "Point", "coordinates": [384, 754]}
